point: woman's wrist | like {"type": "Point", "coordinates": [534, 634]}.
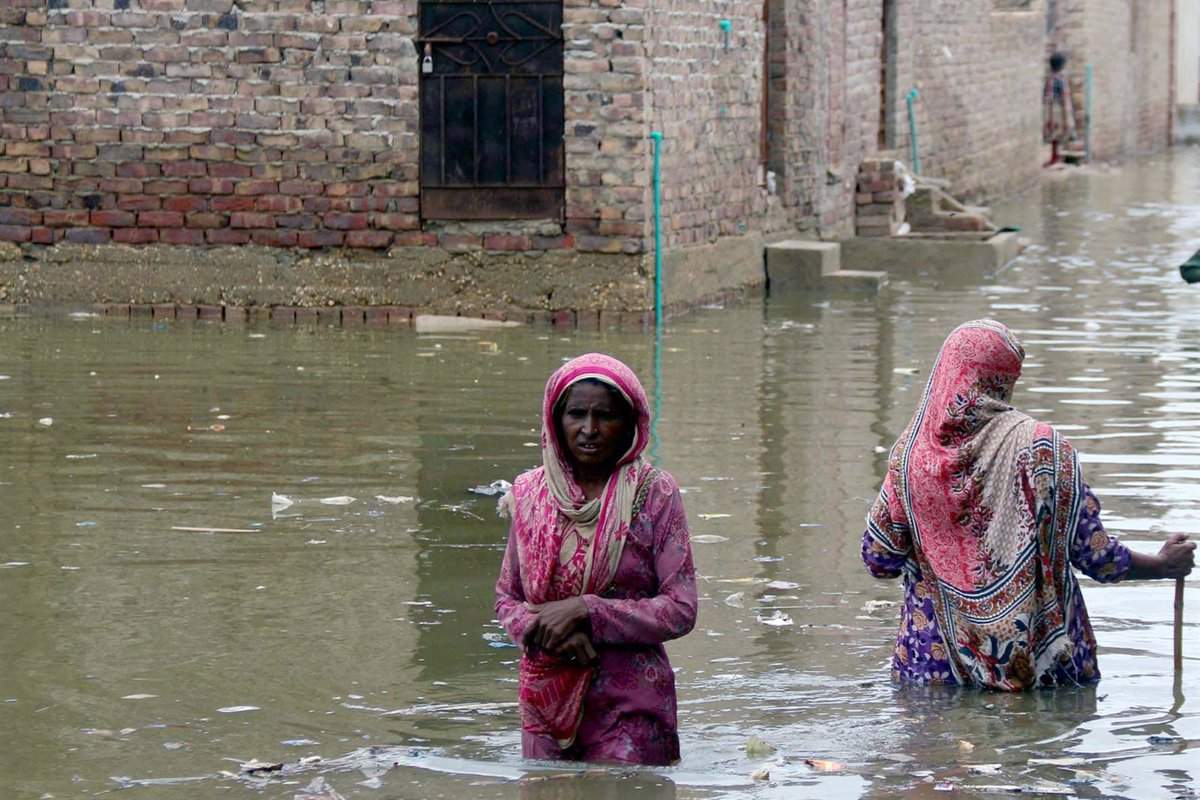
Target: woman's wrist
{"type": "Point", "coordinates": [1145, 566]}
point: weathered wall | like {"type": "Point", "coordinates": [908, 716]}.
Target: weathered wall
{"type": "Point", "coordinates": [607, 149]}
{"type": "Point", "coordinates": [280, 122]}
{"type": "Point", "coordinates": [978, 67]}
{"type": "Point", "coordinates": [707, 101]}
{"type": "Point", "coordinates": [1128, 44]}
{"type": "Point", "coordinates": [202, 122]}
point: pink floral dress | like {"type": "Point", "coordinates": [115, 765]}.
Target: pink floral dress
{"type": "Point", "coordinates": [629, 711]}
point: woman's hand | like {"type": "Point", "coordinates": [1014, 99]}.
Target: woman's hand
{"type": "Point", "coordinates": [555, 622]}
{"type": "Point", "coordinates": [1177, 556]}
{"type": "Point", "coordinates": [577, 650]}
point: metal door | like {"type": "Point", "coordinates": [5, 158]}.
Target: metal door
{"type": "Point", "coordinates": [491, 109]}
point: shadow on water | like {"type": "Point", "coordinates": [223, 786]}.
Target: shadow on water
{"type": "Point", "coordinates": [349, 635]}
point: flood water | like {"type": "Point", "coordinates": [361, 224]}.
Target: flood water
{"type": "Point", "coordinates": [145, 660]}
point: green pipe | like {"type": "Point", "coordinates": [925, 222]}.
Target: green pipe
{"type": "Point", "coordinates": [1087, 106]}
{"type": "Point", "coordinates": [657, 137]}
{"type": "Point", "coordinates": [658, 264]}
{"type": "Point", "coordinates": [911, 98]}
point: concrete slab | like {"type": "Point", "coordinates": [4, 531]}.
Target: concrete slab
{"type": "Point", "coordinates": [954, 255]}
{"type": "Point", "coordinates": [432, 323]}
{"type": "Point", "coordinates": [801, 264]}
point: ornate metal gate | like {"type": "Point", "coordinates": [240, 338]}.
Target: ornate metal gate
{"type": "Point", "coordinates": [491, 109]}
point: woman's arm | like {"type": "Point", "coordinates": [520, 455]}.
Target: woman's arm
{"type": "Point", "coordinates": [886, 542]}
{"type": "Point", "coordinates": [511, 610]}
{"type": "Point", "coordinates": [1174, 560]}
{"type": "Point", "coordinates": [1106, 559]}
{"type": "Point", "coordinates": [672, 612]}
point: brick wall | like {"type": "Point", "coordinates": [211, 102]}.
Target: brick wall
{"type": "Point", "coordinates": [607, 148]}
{"type": "Point", "coordinates": [707, 101]}
{"type": "Point", "coordinates": [198, 121]}
{"type": "Point", "coordinates": [1128, 44]}
{"type": "Point", "coordinates": [978, 66]}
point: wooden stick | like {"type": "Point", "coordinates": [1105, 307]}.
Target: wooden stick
{"type": "Point", "coordinates": [1178, 626]}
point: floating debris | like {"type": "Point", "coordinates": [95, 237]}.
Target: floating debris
{"type": "Point", "coordinates": [984, 769]}
{"type": "Point", "coordinates": [139, 696]}
{"type": "Point", "coordinates": [46, 422]}
{"type": "Point", "coordinates": [783, 585]}
{"type": "Point", "coordinates": [280, 501]}
{"type": "Point", "coordinates": [394, 500]}
{"type": "Point", "coordinates": [493, 489]}
{"type": "Point", "coordinates": [777, 620]}
{"type": "Point", "coordinates": [206, 529]}
{"type": "Point", "coordinates": [825, 765]}
{"type": "Point", "coordinates": [256, 767]}
{"type": "Point", "coordinates": [1165, 740]}
{"type": "Point", "coordinates": [709, 538]}
{"type": "Point", "coordinates": [761, 774]}
{"type": "Point", "coordinates": [736, 600]}
{"type": "Point", "coordinates": [340, 500]}
{"type": "Point", "coordinates": [1058, 791]}
{"type": "Point", "coordinates": [871, 606]}
{"type": "Point", "coordinates": [965, 746]}
{"type": "Point", "coordinates": [714, 516]}
{"type": "Point", "coordinates": [757, 748]}
{"type": "Point", "coordinates": [237, 709]}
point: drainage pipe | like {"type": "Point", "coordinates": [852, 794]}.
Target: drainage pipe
{"type": "Point", "coordinates": [1087, 106]}
{"type": "Point", "coordinates": [657, 137]}
{"type": "Point", "coordinates": [911, 98]}
{"type": "Point", "coordinates": [658, 262]}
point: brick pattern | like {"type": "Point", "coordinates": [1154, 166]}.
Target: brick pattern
{"type": "Point", "coordinates": [707, 102]}
{"type": "Point", "coordinates": [606, 140]}
{"type": "Point", "coordinates": [1128, 44]}
{"type": "Point", "coordinates": [879, 199]}
{"type": "Point", "coordinates": [979, 73]}
{"type": "Point", "coordinates": [275, 122]}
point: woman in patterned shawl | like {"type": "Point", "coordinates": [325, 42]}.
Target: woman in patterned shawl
{"type": "Point", "coordinates": [984, 511]}
{"type": "Point", "coordinates": [597, 575]}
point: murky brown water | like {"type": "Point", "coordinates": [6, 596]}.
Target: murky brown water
{"type": "Point", "coordinates": [144, 660]}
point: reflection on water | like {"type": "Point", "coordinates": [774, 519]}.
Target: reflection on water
{"type": "Point", "coordinates": [144, 655]}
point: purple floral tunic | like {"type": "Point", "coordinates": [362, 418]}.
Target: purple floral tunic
{"type": "Point", "coordinates": [629, 712]}
{"type": "Point", "coordinates": [920, 655]}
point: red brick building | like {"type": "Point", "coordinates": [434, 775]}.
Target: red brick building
{"type": "Point", "coordinates": [513, 130]}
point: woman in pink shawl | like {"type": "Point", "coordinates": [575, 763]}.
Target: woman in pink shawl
{"type": "Point", "coordinates": [597, 575]}
{"type": "Point", "coordinates": [984, 511]}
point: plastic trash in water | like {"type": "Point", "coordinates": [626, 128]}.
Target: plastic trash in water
{"type": "Point", "coordinates": [777, 620]}
{"type": "Point", "coordinates": [757, 748]}
{"type": "Point", "coordinates": [339, 500]}
{"type": "Point", "coordinates": [394, 499]}
{"type": "Point", "coordinates": [280, 501]}
{"type": "Point", "coordinates": [493, 489]}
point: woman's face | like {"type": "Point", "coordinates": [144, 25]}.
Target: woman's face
{"type": "Point", "coordinates": [596, 425]}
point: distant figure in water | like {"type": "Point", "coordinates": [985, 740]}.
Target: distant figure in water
{"type": "Point", "coordinates": [1058, 114]}
{"type": "Point", "coordinates": [597, 575]}
{"type": "Point", "coordinates": [984, 511]}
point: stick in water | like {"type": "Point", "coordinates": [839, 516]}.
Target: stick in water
{"type": "Point", "coordinates": [1178, 626]}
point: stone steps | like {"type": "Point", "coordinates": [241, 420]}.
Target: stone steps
{"type": "Point", "coordinates": [801, 265]}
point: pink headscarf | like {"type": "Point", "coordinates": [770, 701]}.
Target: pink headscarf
{"type": "Point", "coordinates": [568, 546]}
{"type": "Point", "coordinates": [992, 498]}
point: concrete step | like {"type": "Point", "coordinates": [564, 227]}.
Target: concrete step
{"type": "Point", "coordinates": [856, 280]}
{"type": "Point", "coordinates": [802, 264]}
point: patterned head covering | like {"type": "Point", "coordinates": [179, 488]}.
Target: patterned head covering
{"type": "Point", "coordinates": [992, 497]}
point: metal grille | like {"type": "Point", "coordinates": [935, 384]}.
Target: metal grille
{"type": "Point", "coordinates": [491, 110]}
